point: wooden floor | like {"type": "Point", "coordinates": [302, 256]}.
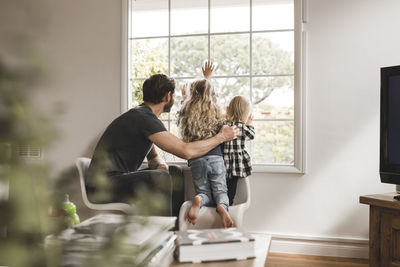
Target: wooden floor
{"type": "Point", "coordinates": [288, 260]}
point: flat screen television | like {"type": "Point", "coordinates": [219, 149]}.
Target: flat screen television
{"type": "Point", "coordinates": [389, 167]}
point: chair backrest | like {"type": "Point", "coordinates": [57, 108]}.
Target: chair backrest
{"type": "Point", "coordinates": [83, 164]}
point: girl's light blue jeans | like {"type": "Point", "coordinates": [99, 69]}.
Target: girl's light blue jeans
{"type": "Point", "coordinates": [209, 179]}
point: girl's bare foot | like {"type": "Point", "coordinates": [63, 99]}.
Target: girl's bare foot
{"type": "Point", "coordinates": [226, 219]}
{"type": "Point", "coordinates": [194, 210]}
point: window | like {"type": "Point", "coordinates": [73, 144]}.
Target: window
{"type": "Point", "coordinates": [256, 47]}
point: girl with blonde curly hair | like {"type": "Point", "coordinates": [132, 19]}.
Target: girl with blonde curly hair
{"type": "Point", "coordinates": [201, 118]}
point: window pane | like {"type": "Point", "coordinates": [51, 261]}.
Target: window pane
{"type": "Point", "coordinates": [230, 15]}
{"type": "Point", "coordinates": [167, 156]}
{"type": "Point", "coordinates": [231, 53]}
{"type": "Point", "coordinates": [174, 129]}
{"type": "Point", "coordinates": [179, 83]}
{"type": "Point", "coordinates": [273, 143]}
{"type": "Point", "coordinates": [149, 56]}
{"type": "Point", "coordinates": [189, 16]}
{"type": "Point", "coordinates": [166, 124]}
{"type": "Point", "coordinates": [273, 15]}
{"type": "Point", "coordinates": [227, 88]}
{"type": "Point", "coordinates": [137, 94]}
{"type": "Point", "coordinates": [149, 18]}
{"type": "Point", "coordinates": [272, 56]}
{"type": "Point", "coordinates": [164, 116]}
{"type": "Point", "coordinates": [273, 97]}
{"type": "Point", "coordinates": [273, 53]}
{"type": "Point", "coordinates": [187, 55]}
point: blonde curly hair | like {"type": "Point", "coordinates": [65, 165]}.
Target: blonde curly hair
{"type": "Point", "coordinates": [200, 116]}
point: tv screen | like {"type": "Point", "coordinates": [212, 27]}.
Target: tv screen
{"type": "Point", "coordinates": [393, 127]}
{"type": "Point", "coordinates": [390, 125]}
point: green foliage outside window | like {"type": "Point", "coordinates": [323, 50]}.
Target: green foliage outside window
{"type": "Point", "coordinates": [230, 53]}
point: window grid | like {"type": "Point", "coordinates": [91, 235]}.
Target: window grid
{"type": "Point", "coordinates": [282, 119]}
{"type": "Point", "coordinates": [169, 54]}
{"type": "Point", "coordinates": [209, 29]}
{"type": "Point", "coordinates": [251, 53]}
{"type": "Point", "coordinates": [209, 35]}
{"type": "Point", "coordinates": [227, 76]}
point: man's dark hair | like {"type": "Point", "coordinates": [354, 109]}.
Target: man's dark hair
{"type": "Point", "coordinates": [156, 87]}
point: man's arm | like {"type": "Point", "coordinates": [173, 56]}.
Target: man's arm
{"type": "Point", "coordinates": [155, 161]}
{"type": "Point", "coordinates": [172, 144]}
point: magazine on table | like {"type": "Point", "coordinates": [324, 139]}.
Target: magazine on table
{"type": "Point", "coordinates": [214, 244]}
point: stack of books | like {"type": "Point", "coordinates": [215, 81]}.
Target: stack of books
{"type": "Point", "coordinates": [142, 241]}
{"type": "Point", "coordinates": [151, 239]}
{"type": "Point", "coordinates": [214, 244]}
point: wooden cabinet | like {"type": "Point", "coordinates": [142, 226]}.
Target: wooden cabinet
{"type": "Point", "coordinates": [384, 230]}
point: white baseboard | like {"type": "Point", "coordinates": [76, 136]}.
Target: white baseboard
{"type": "Point", "coordinates": [317, 246]}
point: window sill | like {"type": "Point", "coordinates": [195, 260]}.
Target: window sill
{"type": "Point", "coordinates": [259, 168]}
{"type": "Point", "coordinates": [264, 168]}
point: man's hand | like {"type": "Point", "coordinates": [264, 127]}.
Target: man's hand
{"type": "Point", "coordinates": [228, 133]}
{"type": "Point", "coordinates": [158, 164]}
{"type": "Point", "coordinates": [154, 161]}
{"type": "Point", "coordinates": [162, 166]}
{"type": "Point", "coordinates": [208, 69]}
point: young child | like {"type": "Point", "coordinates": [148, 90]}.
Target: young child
{"type": "Point", "coordinates": [237, 160]}
{"type": "Point", "coordinates": [201, 118]}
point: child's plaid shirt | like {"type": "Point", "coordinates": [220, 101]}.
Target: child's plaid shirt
{"type": "Point", "coordinates": [237, 160]}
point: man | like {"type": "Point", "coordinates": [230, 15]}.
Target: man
{"type": "Point", "coordinates": [131, 137]}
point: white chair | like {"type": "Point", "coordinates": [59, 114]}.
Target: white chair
{"type": "Point", "coordinates": [83, 164]}
{"type": "Point", "coordinates": [208, 216]}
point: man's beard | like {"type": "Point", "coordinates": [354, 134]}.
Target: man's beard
{"type": "Point", "coordinates": [168, 106]}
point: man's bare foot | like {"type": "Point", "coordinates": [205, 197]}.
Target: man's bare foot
{"type": "Point", "coordinates": [226, 219]}
{"type": "Point", "coordinates": [194, 210]}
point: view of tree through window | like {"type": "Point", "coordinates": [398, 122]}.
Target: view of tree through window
{"type": "Point", "coordinates": [251, 46]}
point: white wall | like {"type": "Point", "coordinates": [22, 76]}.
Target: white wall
{"type": "Point", "coordinates": [83, 42]}
{"type": "Point", "coordinates": [80, 45]}
{"type": "Point", "coordinates": [348, 41]}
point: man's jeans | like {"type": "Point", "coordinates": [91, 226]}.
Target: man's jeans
{"type": "Point", "coordinates": [208, 173]}
{"type": "Point", "coordinates": [153, 192]}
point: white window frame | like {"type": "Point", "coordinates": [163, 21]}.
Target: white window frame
{"type": "Point", "coordinates": [299, 165]}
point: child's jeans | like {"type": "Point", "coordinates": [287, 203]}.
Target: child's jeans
{"type": "Point", "coordinates": [208, 173]}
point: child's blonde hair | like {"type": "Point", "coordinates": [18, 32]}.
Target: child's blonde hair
{"type": "Point", "coordinates": [200, 116]}
{"type": "Point", "coordinates": [238, 109]}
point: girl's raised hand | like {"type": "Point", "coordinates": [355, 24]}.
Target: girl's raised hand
{"type": "Point", "coordinates": [184, 95]}
{"type": "Point", "coordinates": [208, 69]}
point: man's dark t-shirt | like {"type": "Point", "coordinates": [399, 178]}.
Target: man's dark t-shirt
{"type": "Point", "coordinates": [125, 143]}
